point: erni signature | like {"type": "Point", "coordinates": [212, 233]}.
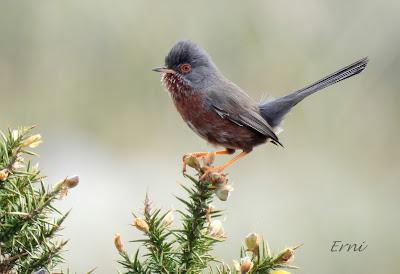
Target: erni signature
{"type": "Point", "coordinates": [340, 246]}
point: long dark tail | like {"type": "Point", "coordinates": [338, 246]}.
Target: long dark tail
{"type": "Point", "coordinates": [275, 110]}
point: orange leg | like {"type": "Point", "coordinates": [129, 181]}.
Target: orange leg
{"type": "Point", "coordinates": [224, 166]}
{"type": "Point", "coordinates": [203, 154]}
{"type": "Point", "coordinates": [218, 152]}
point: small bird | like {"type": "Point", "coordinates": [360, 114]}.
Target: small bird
{"type": "Point", "coordinates": [220, 111]}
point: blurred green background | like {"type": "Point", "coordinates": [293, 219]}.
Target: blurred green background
{"type": "Point", "coordinates": [81, 70]}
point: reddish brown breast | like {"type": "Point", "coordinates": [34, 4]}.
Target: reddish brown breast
{"type": "Point", "coordinates": [188, 102]}
{"type": "Point", "coordinates": [206, 122]}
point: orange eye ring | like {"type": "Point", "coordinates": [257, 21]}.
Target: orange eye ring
{"type": "Point", "coordinates": [185, 68]}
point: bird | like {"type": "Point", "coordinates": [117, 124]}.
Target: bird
{"type": "Point", "coordinates": [220, 111]}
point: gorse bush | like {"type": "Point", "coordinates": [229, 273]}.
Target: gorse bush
{"type": "Point", "coordinates": [29, 222]}
{"type": "Point", "coordinates": [188, 249]}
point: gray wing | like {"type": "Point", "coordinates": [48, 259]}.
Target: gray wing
{"type": "Point", "coordinates": [236, 106]}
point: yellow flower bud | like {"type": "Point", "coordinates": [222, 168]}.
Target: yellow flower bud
{"type": "Point", "coordinates": [118, 243]}
{"type": "Point", "coordinates": [141, 225]}
{"type": "Point", "coordinates": [279, 272]}
{"type": "Point", "coordinates": [252, 242]}
{"type": "Point", "coordinates": [3, 174]}
{"type": "Point", "coordinates": [215, 229]}
{"type": "Point", "coordinates": [245, 265]}
{"type": "Point", "coordinates": [191, 161]}
{"type": "Point", "coordinates": [168, 218]}
{"type": "Point", "coordinates": [32, 141]}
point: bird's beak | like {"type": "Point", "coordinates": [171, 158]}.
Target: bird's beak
{"type": "Point", "coordinates": [163, 69]}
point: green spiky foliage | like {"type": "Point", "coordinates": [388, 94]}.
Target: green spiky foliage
{"type": "Point", "coordinates": [188, 249]}
{"type": "Point", "coordinates": [29, 222]}
{"type": "Point", "coordinates": [195, 244]}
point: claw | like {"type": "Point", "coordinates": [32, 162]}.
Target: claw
{"type": "Point", "coordinates": [207, 158]}
{"type": "Point", "coordinates": [209, 170]}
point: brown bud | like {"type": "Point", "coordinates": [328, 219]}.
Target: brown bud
{"type": "Point", "coordinates": [71, 182]}
{"type": "Point", "coordinates": [65, 185]}
{"type": "Point", "coordinates": [245, 265]}
{"type": "Point", "coordinates": [141, 225]}
{"type": "Point", "coordinates": [3, 174]}
{"type": "Point", "coordinates": [284, 256]}
{"type": "Point", "coordinates": [147, 205]}
{"type": "Point", "coordinates": [118, 243]}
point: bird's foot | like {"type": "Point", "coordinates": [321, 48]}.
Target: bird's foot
{"type": "Point", "coordinates": [210, 170]}
{"type": "Point", "coordinates": [193, 160]}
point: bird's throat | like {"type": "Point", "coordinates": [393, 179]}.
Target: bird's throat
{"type": "Point", "coordinates": [175, 84]}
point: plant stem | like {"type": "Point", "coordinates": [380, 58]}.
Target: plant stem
{"type": "Point", "coordinates": [194, 222]}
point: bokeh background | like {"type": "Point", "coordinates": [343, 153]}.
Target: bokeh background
{"type": "Point", "coordinates": [81, 71]}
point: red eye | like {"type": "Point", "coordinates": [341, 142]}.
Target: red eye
{"type": "Point", "coordinates": [185, 68]}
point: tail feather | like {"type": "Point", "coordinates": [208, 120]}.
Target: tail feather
{"type": "Point", "coordinates": [275, 110]}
